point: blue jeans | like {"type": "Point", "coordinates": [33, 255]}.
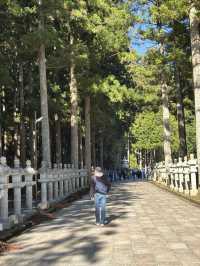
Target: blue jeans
{"type": "Point", "coordinates": [100, 208]}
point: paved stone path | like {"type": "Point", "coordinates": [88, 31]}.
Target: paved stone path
{"type": "Point", "coordinates": [148, 227]}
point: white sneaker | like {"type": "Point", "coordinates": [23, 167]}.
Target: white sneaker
{"type": "Point", "coordinates": [97, 223]}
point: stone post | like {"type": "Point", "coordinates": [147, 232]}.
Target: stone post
{"type": "Point", "coordinates": [186, 172]}
{"type": "Point", "coordinates": [180, 174]}
{"type": "Point", "coordinates": [29, 172]}
{"type": "Point", "coordinates": [73, 178]}
{"type": "Point", "coordinates": [43, 181]}
{"type": "Point", "coordinates": [66, 183]}
{"type": "Point", "coordinates": [55, 177]}
{"type": "Point", "coordinates": [169, 175]}
{"type": "Point", "coordinates": [87, 177]}
{"type": "Point", "coordinates": [17, 185]}
{"type": "Point", "coordinates": [176, 177]}
{"type": "Point", "coordinates": [82, 175]}
{"type": "Point", "coordinates": [193, 175]}
{"type": "Point", "coordinates": [78, 178]}
{"type": "Point", "coordinates": [70, 183]}
{"type": "Point", "coordinates": [4, 174]}
{"type": "Point", "coordinates": [172, 176]}
{"type": "Point", "coordinates": [155, 172]}
{"type": "Point", "coordinates": [50, 183]}
{"type": "Point", "coordinates": [61, 177]}
{"type": "Point", "coordinates": [165, 175]}
{"type": "Point", "coordinates": [159, 177]}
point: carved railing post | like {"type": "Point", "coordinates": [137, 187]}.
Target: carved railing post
{"type": "Point", "coordinates": [186, 172]}
{"type": "Point", "coordinates": [172, 175]}
{"type": "Point", "coordinates": [61, 178]}
{"type": "Point", "coordinates": [50, 183]}
{"type": "Point", "coordinates": [81, 173]}
{"type": "Point", "coordinates": [73, 178]}
{"type": "Point", "coordinates": [55, 178]}
{"type": "Point", "coordinates": [193, 175]}
{"type": "Point", "coordinates": [176, 177]}
{"type": "Point", "coordinates": [180, 174]}
{"type": "Point", "coordinates": [4, 174]}
{"type": "Point", "coordinates": [43, 180]}
{"type": "Point", "coordinates": [17, 173]}
{"type": "Point", "coordinates": [66, 180]}
{"type": "Point", "coordinates": [29, 172]}
{"type": "Point", "coordinates": [68, 172]}
{"type": "Point", "coordinates": [155, 170]}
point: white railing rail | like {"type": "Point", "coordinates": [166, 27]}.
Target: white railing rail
{"type": "Point", "coordinates": [181, 175]}
{"type": "Point", "coordinates": [56, 183]}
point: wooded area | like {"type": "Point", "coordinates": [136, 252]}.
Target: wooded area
{"type": "Point", "coordinates": [74, 90]}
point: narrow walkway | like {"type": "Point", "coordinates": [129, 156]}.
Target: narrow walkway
{"type": "Point", "coordinates": [148, 227]}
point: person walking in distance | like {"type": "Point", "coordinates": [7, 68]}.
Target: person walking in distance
{"type": "Point", "coordinates": [99, 188]}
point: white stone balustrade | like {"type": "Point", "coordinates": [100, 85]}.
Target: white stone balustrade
{"type": "Point", "coordinates": [59, 182]}
{"type": "Point", "coordinates": [182, 175]}
{"type": "Point", "coordinates": [16, 174]}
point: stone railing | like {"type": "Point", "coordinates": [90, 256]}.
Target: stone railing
{"type": "Point", "coordinates": [181, 176]}
{"type": "Point", "coordinates": [54, 184]}
{"type": "Point", "coordinates": [57, 183]}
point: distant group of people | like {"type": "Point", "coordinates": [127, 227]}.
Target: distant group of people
{"type": "Point", "coordinates": [126, 174]}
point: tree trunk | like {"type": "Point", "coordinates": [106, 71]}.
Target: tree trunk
{"type": "Point", "coordinates": [1, 151]}
{"type": "Point", "coordinates": [140, 159]}
{"type": "Point", "coordinates": [81, 159]}
{"type": "Point", "coordinates": [58, 142]}
{"type": "Point", "coordinates": [166, 124]}
{"type": "Point", "coordinates": [74, 109]}
{"type": "Point", "coordinates": [128, 149]}
{"type": "Point", "coordinates": [87, 133]}
{"type": "Point", "coordinates": [93, 149]}
{"type": "Point", "coordinates": [180, 117]}
{"type": "Point", "coordinates": [195, 46]}
{"type": "Point", "coordinates": [101, 151]}
{"type": "Point", "coordinates": [22, 126]}
{"type": "Point", "coordinates": [32, 142]}
{"type": "Point", "coordinates": [46, 151]}
{"type": "Point", "coordinates": [5, 143]}
{"type": "Point", "coordinates": [1, 133]}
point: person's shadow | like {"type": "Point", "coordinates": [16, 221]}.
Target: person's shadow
{"type": "Point", "coordinates": [112, 218]}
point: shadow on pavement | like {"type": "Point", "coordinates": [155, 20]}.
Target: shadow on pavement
{"type": "Point", "coordinates": [72, 237]}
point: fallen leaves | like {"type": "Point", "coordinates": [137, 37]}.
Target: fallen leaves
{"type": "Point", "coordinates": [6, 247]}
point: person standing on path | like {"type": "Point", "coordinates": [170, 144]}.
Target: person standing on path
{"type": "Point", "coordinates": [99, 188]}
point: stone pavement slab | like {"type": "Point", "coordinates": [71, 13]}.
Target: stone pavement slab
{"type": "Point", "coordinates": [148, 226]}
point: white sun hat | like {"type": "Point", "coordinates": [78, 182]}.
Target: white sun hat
{"type": "Point", "coordinates": [98, 172]}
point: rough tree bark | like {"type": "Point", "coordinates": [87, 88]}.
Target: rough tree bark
{"type": "Point", "coordinates": [58, 141]}
{"type": "Point", "coordinates": [93, 147]}
{"type": "Point", "coordinates": [22, 126]}
{"type": "Point", "coordinates": [1, 153]}
{"type": "Point", "coordinates": [101, 151]}
{"type": "Point", "coordinates": [166, 115]}
{"type": "Point", "coordinates": [46, 152]}
{"type": "Point", "coordinates": [74, 108]}
{"type": "Point", "coordinates": [81, 149]}
{"type": "Point", "coordinates": [1, 133]}
{"type": "Point", "coordinates": [195, 46]}
{"type": "Point", "coordinates": [166, 123]}
{"type": "Point", "coordinates": [180, 116]}
{"type": "Point", "coordinates": [87, 133]}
